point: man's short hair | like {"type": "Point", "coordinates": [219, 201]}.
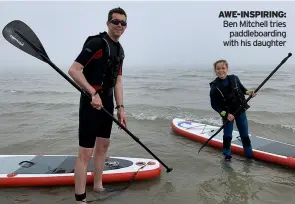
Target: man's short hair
{"type": "Point", "coordinates": [116, 10]}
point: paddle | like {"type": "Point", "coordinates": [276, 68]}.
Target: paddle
{"type": "Point", "coordinates": [22, 36]}
{"type": "Point", "coordinates": [256, 90]}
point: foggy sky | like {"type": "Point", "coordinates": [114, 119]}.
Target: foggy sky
{"type": "Point", "coordinates": [159, 34]}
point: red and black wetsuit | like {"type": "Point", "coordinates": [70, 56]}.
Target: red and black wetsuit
{"type": "Point", "coordinates": [102, 59]}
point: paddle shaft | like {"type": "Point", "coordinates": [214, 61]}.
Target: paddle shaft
{"type": "Point", "coordinates": [249, 98]}
{"type": "Point", "coordinates": [89, 96]}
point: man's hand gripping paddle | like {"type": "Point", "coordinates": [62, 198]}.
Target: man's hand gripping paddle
{"type": "Point", "coordinates": [22, 36]}
{"type": "Point", "coordinates": [265, 80]}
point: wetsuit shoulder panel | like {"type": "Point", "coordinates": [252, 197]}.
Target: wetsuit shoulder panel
{"type": "Point", "coordinates": [93, 48]}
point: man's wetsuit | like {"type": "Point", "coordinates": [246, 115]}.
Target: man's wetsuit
{"type": "Point", "coordinates": [102, 59]}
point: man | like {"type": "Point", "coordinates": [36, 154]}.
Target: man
{"type": "Point", "coordinates": [98, 70]}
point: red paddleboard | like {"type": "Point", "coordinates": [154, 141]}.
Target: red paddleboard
{"type": "Point", "coordinates": [263, 149]}
{"type": "Point", "coordinates": [56, 170]}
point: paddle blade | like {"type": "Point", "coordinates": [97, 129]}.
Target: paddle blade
{"type": "Point", "coordinates": [21, 36]}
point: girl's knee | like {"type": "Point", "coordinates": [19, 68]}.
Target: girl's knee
{"type": "Point", "coordinates": [246, 141]}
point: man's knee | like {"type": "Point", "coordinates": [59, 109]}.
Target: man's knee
{"type": "Point", "coordinates": [85, 154]}
{"type": "Point", "coordinates": [102, 144]}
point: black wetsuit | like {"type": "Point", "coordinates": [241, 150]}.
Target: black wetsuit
{"type": "Point", "coordinates": [102, 59]}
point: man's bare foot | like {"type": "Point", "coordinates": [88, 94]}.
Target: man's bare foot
{"type": "Point", "coordinates": [82, 202]}
{"type": "Point", "coordinates": [99, 189]}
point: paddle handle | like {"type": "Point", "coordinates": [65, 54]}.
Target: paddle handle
{"type": "Point", "coordinates": [270, 75]}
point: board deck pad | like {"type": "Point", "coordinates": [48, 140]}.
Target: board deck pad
{"type": "Point", "coordinates": [266, 145]}
{"type": "Point", "coordinates": [18, 170]}
{"type": "Point", "coordinates": [57, 165]}
{"type": "Point", "coordinates": [265, 149]}
{"type": "Point", "coordinates": [270, 146]}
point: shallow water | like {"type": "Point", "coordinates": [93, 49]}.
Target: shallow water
{"type": "Point", "coordinates": [39, 115]}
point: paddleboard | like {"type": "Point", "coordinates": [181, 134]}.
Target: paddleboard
{"type": "Point", "coordinates": [263, 149]}
{"type": "Point", "coordinates": [55, 170]}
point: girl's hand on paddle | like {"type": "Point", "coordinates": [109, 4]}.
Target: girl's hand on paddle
{"type": "Point", "coordinates": [252, 93]}
{"type": "Point", "coordinates": [122, 117]}
{"type": "Point", "coordinates": [96, 102]}
{"type": "Point", "coordinates": [230, 117]}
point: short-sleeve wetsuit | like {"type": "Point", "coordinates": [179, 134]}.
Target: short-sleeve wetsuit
{"type": "Point", "coordinates": [102, 59]}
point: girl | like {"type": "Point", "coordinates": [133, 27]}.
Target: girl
{"type": "Point", "coordinates": [227, 94]}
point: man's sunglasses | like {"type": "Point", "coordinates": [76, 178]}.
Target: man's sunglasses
{"type": "Point", "coordinates": [116, 22]}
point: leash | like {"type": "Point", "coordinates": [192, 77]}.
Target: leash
{"type": "Point", "coordinates": [117, 190]}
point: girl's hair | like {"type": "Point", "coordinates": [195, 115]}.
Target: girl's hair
{"type": "Point", "coordinates": [220, 61]}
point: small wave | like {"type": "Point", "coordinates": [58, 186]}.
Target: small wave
{"type": "Point", "coordinates": [144, 116]}
{"type": "Point", "coordinates": [270, 90]}
{"type": "Point", "coordinates": [167, 113]}
{"type": "Point", "coordinates": [154, 117]}
{"type": "Point", "coordinates": [146, 112]}
{"type": "Point", "coordinates": [153, 88]}
{"type": "Point", "coordinates": [42, 105]}
{"type": "Point", "coordinates": [162, 88]}
{"type": "Point", "coordinates": [27, 92]}
{"type": "Point", "coordinates": [137, 77]}
{"type": "Point", "coordinates": [189, 75]}
{"type": "Point", "coordinates": [289, 127]}
{"type": "Point", "coordinates": [215, 121]}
